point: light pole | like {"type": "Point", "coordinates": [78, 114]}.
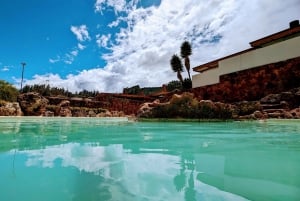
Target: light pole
{"type": "Point", "coordinates": [23, 65]}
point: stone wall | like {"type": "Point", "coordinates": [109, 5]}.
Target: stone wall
{"type": "Point", "coordinates": [129, 104]}
{"type": "Point", "coordinates": [254, 83]}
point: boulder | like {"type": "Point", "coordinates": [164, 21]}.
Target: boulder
{"type": "Point", "coordinates": [145, 110]}
{"type": "Point", "coordinates": [247, 107]}
{"type": "Point", "coordinates": [49, 114]}
{"type": "Point", "coordinates": [91, 113]}
{"type": "Point", "coordinates": [64, 109]}
{"type": "Point", "coordinates": [295, 113]}
{"type": "Point", "coordinates": [79, 112]}
{"type": "Point", "coordinates": [104, 114]}
{"type": "Point", "coordinates": [207, 103]}
{"type": "Point", "coordinates": [271, 99]}
{"type": "Point", "coordinates": [258, 115]}
{"type": "Point", "coordinates": [287, 115]}
{"type": "Point", "coordinates": [32, 104]}
{"type": "Point", "coordinates": [10, 109]}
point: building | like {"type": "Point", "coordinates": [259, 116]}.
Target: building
{"type": "Point", "coordinates": [254, 69]}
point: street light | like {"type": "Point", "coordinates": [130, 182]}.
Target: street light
{"type": "Point", "coordinates": [23, 65]}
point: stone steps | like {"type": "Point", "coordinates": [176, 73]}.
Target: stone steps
{"type": "Point", "coordinates": [271, 106]}
{"type": "Point", "coordinates": [274, 110]}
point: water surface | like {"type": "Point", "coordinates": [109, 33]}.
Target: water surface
{"type": "Point", "coordinates": [89, 159]}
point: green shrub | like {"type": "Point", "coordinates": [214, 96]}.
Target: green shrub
{"type": "Point", "coordinates": [173, 85]}
{"type": "Point", "coordinates": [8, 92]}
{"type": "Point", "coordinates": [186, 106]}
{"type": "Point", "coordinates": [187, 84]}
{"type": "Point", "coordinates": [205, 111]}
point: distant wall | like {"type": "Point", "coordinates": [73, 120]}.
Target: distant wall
{"type": "Point", "coordinates": [111, 102]}
{"type": "Point", "coordinates": [277, 52]}
{"type": "Point", "coordinates": [115, 102]}
{"type": "Point", "coordinates": [254, 83]}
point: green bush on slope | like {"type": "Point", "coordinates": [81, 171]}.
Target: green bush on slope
{"type": "Point", "coordinates": [8, 92]}
{"type": "Point", "coordinates": [186, 106]}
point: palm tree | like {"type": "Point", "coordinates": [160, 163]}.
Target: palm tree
{"type": "Point", "coordinates": [177, 66]}
{"type": "Point", "coordinates": [186, 51]}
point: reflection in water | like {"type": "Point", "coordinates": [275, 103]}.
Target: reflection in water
{"type": "Point", "coordinates": [114, 173]}
{"type": "Point", "coordinates": [182, 183]}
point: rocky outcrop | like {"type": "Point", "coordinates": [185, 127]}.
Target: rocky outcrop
{"type": "Point", "coordinates": [186, 106]}
{"type": "Point", "coordinates": [89, 112]}
{"type": "Point", "coordinates": [283, 105]}
{"type": "Point", "coordinates": [10, 109]}
{"type": "Point", "coordinates": [32, 104]}
{"type": "Point", "coordinates": [145, 110]}
{"type": "Point", "coordinates": [245, 108]}
{"type": "Point", "coordinates": [63, 109]}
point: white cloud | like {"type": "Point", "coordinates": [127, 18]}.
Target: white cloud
{"type": "Point", "coordinates": [74, 53]}
{"type": "Point", "coordinates": [82, 35]}
{"type": "Point", "coordinates": [102, 41]}
{"type": "Point", "coordinates": [69, 57]}
{"type": "Point", "coordinates": [80, 46]}
{"type": "Point", "coordinates": [142, 50]}
{"type": "Point", "coordinates": [81, 32]}
{"type": "Point", "coordinates": [57, 59]}
{"type": "Point", "coordinates": [5, 68]}
{"type": "Point", "coordinates": [117, 5]}
{"type": "Point", "coordinates": [128, 175]}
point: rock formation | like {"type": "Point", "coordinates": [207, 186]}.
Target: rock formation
{"type": "Point", "coordinates": [32, 104]}
{"type": "Point", "coordinates": [282, 105]}
{"type": "Point", "coordinates": [10, 109]}
{"type": "Point", "coordinates": [63, 109]}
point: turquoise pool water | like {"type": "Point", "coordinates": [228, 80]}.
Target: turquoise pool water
{"type": "Point", "coordinates": [89, 159]}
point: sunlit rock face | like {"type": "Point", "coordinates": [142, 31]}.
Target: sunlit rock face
{"type": "Point", "coordinates": [63, 109]}
{"type": "Point", "coordinates": [10, 109]}
{"type": "Point", "coordinates": [32, 104]}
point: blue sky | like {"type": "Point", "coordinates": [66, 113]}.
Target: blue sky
{"type": "Point", "coordinates": [107, 45]}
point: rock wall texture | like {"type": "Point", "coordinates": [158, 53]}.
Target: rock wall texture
{"type": "Point", "coordinates": [32, 104]}
{"type": "Point", "coordinates": [253, 84]}
{"type": "Point", "coordinates": [10, 109]}
{"type": "Point", "coordinates": [129, 104]}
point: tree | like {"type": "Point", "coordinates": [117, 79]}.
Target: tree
{"type": "Point", "coordinates": [177, 66]}
{"type": "Point", "coordinates": [186, 51]}
{"type": "Point", "coordinates": [8, 92]}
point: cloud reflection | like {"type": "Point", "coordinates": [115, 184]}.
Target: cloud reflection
{"type": "Point", "coordinates": [128, 176]}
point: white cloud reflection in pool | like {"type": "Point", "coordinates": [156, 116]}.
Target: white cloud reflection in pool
{"type": "Point", "coordinates": [144, 176]}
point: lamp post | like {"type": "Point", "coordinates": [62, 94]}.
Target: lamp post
{"type": "Point", "coordinates": [23, 65]}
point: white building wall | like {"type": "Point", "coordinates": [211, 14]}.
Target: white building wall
{"type": "Point", "coordinates": [207, 78]}
{"type": "Point", "coordinates": [280, 51]}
